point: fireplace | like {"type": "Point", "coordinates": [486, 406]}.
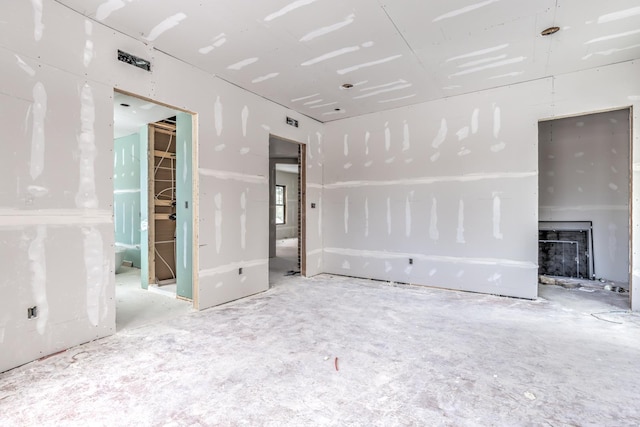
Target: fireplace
{"type": "Point", "coordinates": [565, 248]}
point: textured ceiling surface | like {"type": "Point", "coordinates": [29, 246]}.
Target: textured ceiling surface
{"type": "Point", "coordinates": [394, 52]}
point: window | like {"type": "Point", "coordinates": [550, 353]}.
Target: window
{"type": "Point", "coordinates": [281, 205]}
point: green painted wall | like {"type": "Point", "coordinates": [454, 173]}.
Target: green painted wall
{"type": "Point", "coordinates": [126, 196]}
{"type": "Point", "coordinates": [184, 207]}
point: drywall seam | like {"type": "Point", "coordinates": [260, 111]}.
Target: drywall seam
{"type": "Point", "coordinates": [226, 175]}
{"type": "Point", "coordinates": [17, 217]}
{"type": "Point", "coordinates": [227, 268]}
{"type": "Point", "coordinates": [433, 180]}
{"type": "Point", "coordinates": [432, 258]}
{"type": "Point", "coordinates": [586, 208]}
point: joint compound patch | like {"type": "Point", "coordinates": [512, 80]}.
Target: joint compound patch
{"type": "Point", "coordinates": [218, 221]}
{"type": "Point", "coordinates": [497, 212]}
{"type": "Point", "coordinates": [442, 134]}
{"type": "Point", "coordinates": [86, 197]}
{"type": "Point", "coordinates": [94, 262]}
{"type": "Point", "coordinates": [245, 119]}
{"type": "Point", "coordinates": [39, 113]}
{"type": "Point", "coordinates": [346, 214]}
{"type": "Point", "coordinates": [38, 26]}
{"type": "Point", "coordinates": [406, 137]}
{"type": "Point", "coordinates": [366, 217]}
{"type": "Point", "coordinates": [38, 266]}
{"type": "Point", "coordinates": [165, 25]}
{"type": "Point", "coordinates": [433, 223]}
{"type": "Point", "coordinates": [218, 116]}
{"type": "Point", "coordinates": [243, 219]}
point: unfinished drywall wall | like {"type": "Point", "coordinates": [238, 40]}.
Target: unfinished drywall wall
{"type": "Point", "coordinates": [584, 176]}
{"type": "Point", "coordinates": [290, 228]}
{"type": "Point", "coordinates": [126, 196]}
{"type": "Point", "coordinates": [59, 71]}
{"type": "Point", "coordinates": [452, 184]}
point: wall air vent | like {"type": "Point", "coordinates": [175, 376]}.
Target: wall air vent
{"type": "Point", "coordinates": [134, 60]}
{"type": "Point", "coordinates": [292, 122]}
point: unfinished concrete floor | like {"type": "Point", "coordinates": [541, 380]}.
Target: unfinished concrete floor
{"type": "Point", "coordinates": [136, 307]}
{"type": "Point", "coordinates": [405, 356]}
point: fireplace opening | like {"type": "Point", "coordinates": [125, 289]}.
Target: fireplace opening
{"type": "Point", "coordinates": [566, 249]}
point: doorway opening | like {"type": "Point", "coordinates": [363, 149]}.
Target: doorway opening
{"type": "Point", "coordinates": [584, 238]}
{"type": "Point", "coordinates": [154, 219]}
{"type": "Point", "coordinates": [287, 183]}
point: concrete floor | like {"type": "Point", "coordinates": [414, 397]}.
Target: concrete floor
{"type": "Point", "coordinates": [136, 307]}
{"type": "Point", "coordinates": [338, 351]}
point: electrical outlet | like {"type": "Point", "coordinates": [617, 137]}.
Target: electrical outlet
{"type": "Point", "coordinates": [240, 270]}
{"type": "Point", "coordinates": [410, 260]}
{"type": "Point", "coordinates": [313, 205]}
{"type": "Point", "coordinates": [32, 312]}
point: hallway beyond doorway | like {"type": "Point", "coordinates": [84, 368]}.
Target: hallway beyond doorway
{"type": "Point", "coordinates": [286, 259]}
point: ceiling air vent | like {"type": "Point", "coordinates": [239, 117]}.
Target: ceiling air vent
{"type": "Point", "coordinates": [134, 60]}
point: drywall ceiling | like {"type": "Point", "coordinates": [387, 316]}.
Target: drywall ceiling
{"type": "Point", "coordinates": [394, 52]}
{"type": "Point", "coordinates": [135, 113]}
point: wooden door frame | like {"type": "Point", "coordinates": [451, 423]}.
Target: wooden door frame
{"type": "Point", "coordinates": [631, 224]}
{"type": "Point", "coordinates": [302, 208]}
{"type": "Point", "coordinates": [302, 195]}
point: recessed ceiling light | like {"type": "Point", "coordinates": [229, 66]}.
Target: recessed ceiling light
{"type": "Point", "coordinates": [125, 105]}
{"type": "Point", "coordinates": [550, 30]}
{"type": "Point", "coordinates": [347, 86]}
